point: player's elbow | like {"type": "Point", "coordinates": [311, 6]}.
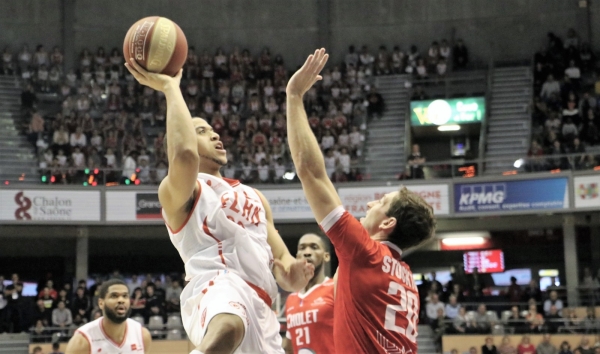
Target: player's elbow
{"type": "Point", "coordinates": [308, 168]}
{"type": "Point", "coordinates": [310, 173]}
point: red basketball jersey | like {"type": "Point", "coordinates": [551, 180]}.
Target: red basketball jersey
{"type": "Point", "coordinates": [309, 319]}
{"type": "Point", "coordinates": [377, 303]}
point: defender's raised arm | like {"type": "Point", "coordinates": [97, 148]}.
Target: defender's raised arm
{"type": "Point", "coordinates": [304, 148]}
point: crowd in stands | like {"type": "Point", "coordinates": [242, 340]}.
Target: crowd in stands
{"type": "Point", "coordinates": [107, 122]}
{"type": "Point", "coordinates": [63, 308]}
{"type": "Point", "coordinates": [565, 112]}
{"type": "Point", "coordinates": [462, 306]}
{"type": "Point", "coordinates": [545, 346]}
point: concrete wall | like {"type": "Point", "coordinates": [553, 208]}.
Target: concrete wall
{"type": "Point", "coordinates": [30, 21]}
{"type": "Point", "coordinates": [285, 26]}
{"type": "Point", "coordinates": [511, 29]}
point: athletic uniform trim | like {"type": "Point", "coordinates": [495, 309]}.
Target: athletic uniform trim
{"type": "Point", "coordinates": [189, 214]}
{"type": "Point", "coordinates": [232, 182]}
{"type": "Point", "coordinates": [393, 248]}
{"type": "Point", "coordinates": [110, 339]}
{"type": "Point", "coordinates": [332, 218]}
{"type": "Point", "coordinates": [316, 286]}
{"type": "Point", "coordinates": [262, 294]}
{"type": "Point", "coordinates": [219, 244]}
{"type": "Point", "coordinates": [86, 338]}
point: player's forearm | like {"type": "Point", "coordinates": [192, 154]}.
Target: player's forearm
{"type": "Point", "coordinates": [181, 136]}
{"type": "Point", "coordinates": [304, 147]}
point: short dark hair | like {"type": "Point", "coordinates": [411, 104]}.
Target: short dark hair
{"type": "Point", "coordinates": [324, 240]}
{"type": "Point", "coordinates": [107, 284]}
{"type": "Point", "coordinates": [415, 223]}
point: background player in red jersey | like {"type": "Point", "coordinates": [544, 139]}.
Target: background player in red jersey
{"type": "Point", "coordinates": [376, 303]}
{"type": "Point", "coordinates": [309, 312]}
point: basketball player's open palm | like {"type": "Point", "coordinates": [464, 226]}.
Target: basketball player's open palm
{"type": "Point", "coordinates": [158, 82]}
{"type": "Point", "coordinates": [308, 74]}
{"type": "Point", "coordinates": [296, 277]}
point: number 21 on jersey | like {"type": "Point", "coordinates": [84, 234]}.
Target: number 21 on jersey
{"type": "Point", "coordinates": [408, 303]}
{"type": "Point", "coordinates": [302, 332]}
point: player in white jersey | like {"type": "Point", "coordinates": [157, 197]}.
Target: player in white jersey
{"type": "Point", "coordinates": [114, 332]}
{"type": "Point", "coordinates": [225, 235]}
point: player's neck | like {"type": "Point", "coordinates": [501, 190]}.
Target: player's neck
{"type": "Point", "coordinates": [210, 171]}
{"type": "Point", "coordinates": [115, 331]}
{"type": "Point", "coordinates": [317, 279]}
{"type": "Point", "coordinates": [379, 236]}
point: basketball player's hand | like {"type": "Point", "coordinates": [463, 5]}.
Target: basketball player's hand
{"type": "Point", "coordinates": [296, 277]}
{"type": "Point", "coordinates": [158, 82]}
{"type": "Point", "coordinates": [308, 74]}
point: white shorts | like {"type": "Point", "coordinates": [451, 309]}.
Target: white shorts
{"type": "Point", "coordinates": [228, 293]}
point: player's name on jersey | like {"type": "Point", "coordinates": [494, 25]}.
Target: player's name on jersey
{"type": "Point", "coordinates": [302, 318]}
{"type": "Point", "coordinates": [395, 268]}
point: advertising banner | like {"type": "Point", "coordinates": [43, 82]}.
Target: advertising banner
{"type": "Point", "coordinates": [288, 204]}
{"type": "Point", "coordinates": [586, 191]}
{"type": "Point", "coordinates": [498, 197]}
{"type": "Point", "coordinates": [447, 111]}
{"type": "Point", "coordinates": [355, 199]}
{"type": "Point", "coordinates": [49, 205]}
{"type": "Point", "coordinates": [132, 206]}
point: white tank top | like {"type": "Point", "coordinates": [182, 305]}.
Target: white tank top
{"type": "Point", "coordinates": [100, 343]}
{"type": "Point", "coordinates": [226, 231]}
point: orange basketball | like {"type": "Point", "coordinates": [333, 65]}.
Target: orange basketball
{"type": "Point", "coordinates": [157, 44]}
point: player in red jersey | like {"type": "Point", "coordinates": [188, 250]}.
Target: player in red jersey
{"type": "Point", "coordinates": [309, 312]}
{"type": "Point", "coordinates": [376, 299]}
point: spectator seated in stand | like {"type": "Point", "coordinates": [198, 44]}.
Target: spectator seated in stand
{"type": "Point", "coordinates": [565, 105]}
{"type": "Point", "coordinates": [104, 108]}
{"type": "Point", "coordinates": [485, 319]}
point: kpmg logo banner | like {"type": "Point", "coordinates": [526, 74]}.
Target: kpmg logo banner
{"type": "Point", "coordinates": [542, 194]}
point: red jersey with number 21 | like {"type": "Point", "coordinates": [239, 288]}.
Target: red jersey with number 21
{"type": "Point", "coordinates": [310, 319]}
{"type": "Point", "coordinates": [377, 303]}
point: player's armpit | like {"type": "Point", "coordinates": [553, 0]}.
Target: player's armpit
{"type": "Point", "coordinates": [147, 340]}
{"type": "Point", "coordinates": [78, 345]}
{"type": "Point", "coordinates": [171, 200]}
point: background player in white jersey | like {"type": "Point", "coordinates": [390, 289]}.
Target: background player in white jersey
{"type": "Point", "coordinates": [225, 235]}
{"type": "Point", "coordinates": [309, 312]}
{"type": "Point", "coordinates": [114, 332]}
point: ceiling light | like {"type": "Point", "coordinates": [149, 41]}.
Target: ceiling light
{"type": "Point", "coordinates": [449, 128]}
{"type": "Point", "coordinates": [464, 241]}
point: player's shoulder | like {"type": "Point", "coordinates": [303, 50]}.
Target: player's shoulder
{"type": "Point", "coordinates": [92, 324]}
{"type": "Point", "coordinates": [329, 282]}
{"type": "Point", "coordinates": [79, 343]}
{"type": "Point", "coordinates": [131, 323]}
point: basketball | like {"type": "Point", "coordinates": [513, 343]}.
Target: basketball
{"type": "Point", "coordinates": [157, 44]}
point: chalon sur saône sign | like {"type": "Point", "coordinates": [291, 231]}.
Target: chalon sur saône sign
{"type": "Point", "coordinates": [447, 111]}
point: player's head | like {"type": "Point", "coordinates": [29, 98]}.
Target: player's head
{"type": "Point", "coordinates": [114, 300]}
{"type": "Point", "coordinates": [402, 218]}
{"type": "Point", "coordinates": [210, 148]}
{"type": "Point", "coordinates": [315, 250]}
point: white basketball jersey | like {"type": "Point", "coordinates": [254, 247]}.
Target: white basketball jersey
{"type": "Point", "coordinates": [226, 230]}
{"type": "Point", "coordinates": [133, 341]}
